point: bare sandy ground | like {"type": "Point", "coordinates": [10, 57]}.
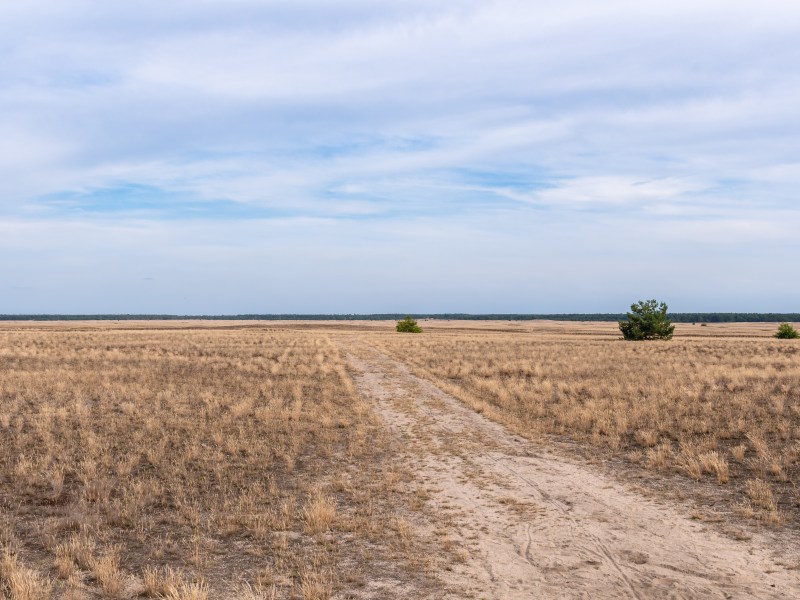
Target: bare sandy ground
{"type": "Point", "coordinates": [530, 523]}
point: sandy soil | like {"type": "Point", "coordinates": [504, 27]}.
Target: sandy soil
{"type": "Point", "coordinates": [530, 523]}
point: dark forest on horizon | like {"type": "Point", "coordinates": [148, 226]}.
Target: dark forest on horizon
{"type": "Point", "coordinates": [711, 317]}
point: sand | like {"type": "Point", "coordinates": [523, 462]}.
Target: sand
{"type": "Point", "coordinates": [533, 523]}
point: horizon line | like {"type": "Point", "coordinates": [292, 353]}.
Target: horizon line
{"type": "Point", "coordinates": [684, 317]}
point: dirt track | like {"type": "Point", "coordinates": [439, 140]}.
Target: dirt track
{"type": "Point", "coordinates": [533, 524]}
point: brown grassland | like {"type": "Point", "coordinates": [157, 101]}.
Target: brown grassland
{"type": "Point", "coordinates": [718, 404]}
{"type": "Point", "coordinates": [195, 461]}
{"type": "Point", "coordinates": [192, 461]}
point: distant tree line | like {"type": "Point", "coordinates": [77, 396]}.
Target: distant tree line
{"type": "Point", "coordinates": [674, 317]}
{"type": "Point", "coordinates": [734, 317]}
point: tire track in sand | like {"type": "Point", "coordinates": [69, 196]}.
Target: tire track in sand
{"type": "Point", "coordinates": [537, 525]}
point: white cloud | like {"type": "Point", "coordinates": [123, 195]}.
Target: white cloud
{"type": "Point", "coordinates": [619, 191]}
{"type": "Point", "coordinates": [681, 113]}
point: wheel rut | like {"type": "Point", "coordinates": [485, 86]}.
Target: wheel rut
{"type": "Point", "coordinates": [535, 524]}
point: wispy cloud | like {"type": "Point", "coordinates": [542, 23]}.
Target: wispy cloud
{"type": "Point", "coordinates": [470, 118]}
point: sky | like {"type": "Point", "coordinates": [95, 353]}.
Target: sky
{"type": "Point", "coordinates": [376, 156]}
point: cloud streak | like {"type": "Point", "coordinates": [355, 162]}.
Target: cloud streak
{"type": "Point", "coordinates": [470, 117]}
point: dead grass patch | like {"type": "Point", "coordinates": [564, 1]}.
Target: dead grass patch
{"type": "Point", "coordinates": [183, 462]}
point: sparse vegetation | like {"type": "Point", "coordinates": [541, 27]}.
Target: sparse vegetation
{"type": "Point", "coordinates": [787, 332]}
{"type": "Point", "coordinates": [722, 411]}
{"type": "Point", "coordinates": [647, 321]}
{"type": "Point", "coordinates": [182, 463]}
{"type": "Point", "coordinates": [408, 325]}
{"type": "Point", "coordinates": [240, 461]}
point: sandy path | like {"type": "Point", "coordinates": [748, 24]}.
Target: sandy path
{"type": "Point", "coordinates": [533, 524]}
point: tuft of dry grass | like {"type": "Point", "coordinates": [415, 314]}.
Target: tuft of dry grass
{"type": "Point", "coordinates": [248, 592]}
{"type": "Point", "coordinates": [661, 457]}
{"type": "Point", "coordinates": [20, 582]}
{"type": "Point", "coordinates": [760, 494]}
{"type": "Point", "coordinates": [314, 586]}
{"type": "Point", "coordinates": [108, 575]}
{"type": "Point", "coordinates": [158, 582]}
{"type": "Point", "coordinates": [319, 513]}
{"type": "Point", "coordinates": [197, 590]}
{"type": "Point", "coordinates": [713, 462]}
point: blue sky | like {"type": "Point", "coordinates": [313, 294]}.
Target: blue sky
{"type": "Point", "coordinates": [399, 156]}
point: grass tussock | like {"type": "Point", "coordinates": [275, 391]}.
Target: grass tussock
{"type": "Point", "coordinates": [723, 410]}
{"type": "Point", "coordinates": [185, 463]}
{"type": "Point", "coordinates": [19, 582]}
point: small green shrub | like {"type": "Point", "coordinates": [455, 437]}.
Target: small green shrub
{"type": "Point", "coordinates": [787, 332]}
{"type": "Point", "coordinates": [408, 325]}
{"type": "Point", "coordinates": [647, 321]}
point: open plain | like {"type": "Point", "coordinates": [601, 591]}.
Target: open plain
{"type": "Point", "coordinates": [204, 460]}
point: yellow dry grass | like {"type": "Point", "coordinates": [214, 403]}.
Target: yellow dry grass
{"type": "Point", "coordinates": [237, 460]}
{"type": "Point", "coordinates": [186, 462]}
{"type": "Point", "coordinates": [719, 403]}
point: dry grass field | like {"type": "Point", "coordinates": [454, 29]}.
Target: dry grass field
{"type": "Point", "coordinates": [213, 460]}
{"type": "Point", "coordinates": [191, 462]}
{"type": "Point", "coordinates": [718, 404]}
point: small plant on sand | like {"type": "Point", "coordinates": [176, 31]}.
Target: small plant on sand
{"type": "Point", "coordinates": [408, 325]}
{"type": "Point", "coordinates": [647, 321]}
{"type": "Point", "coordinates": [787, 332]}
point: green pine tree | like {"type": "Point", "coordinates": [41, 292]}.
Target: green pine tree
{"type": "Point", "coordinates": [408, 325]}
{"type": "Point", "coordinates": [647, 321]}
{"type": "Point", "coordinates": [787, 332]}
